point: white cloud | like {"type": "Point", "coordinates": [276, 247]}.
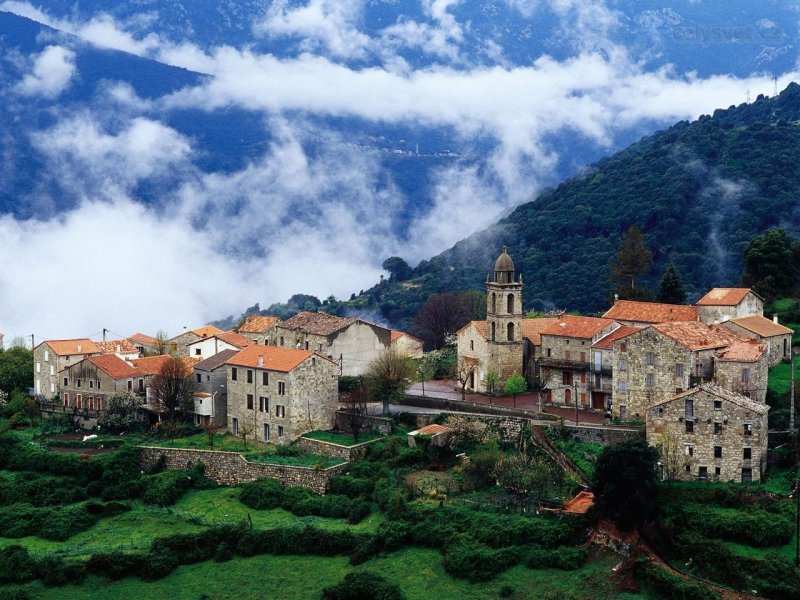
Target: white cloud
{"type": "Point", "coordinates": [50, 74]}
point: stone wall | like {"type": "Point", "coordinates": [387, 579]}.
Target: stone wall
{"type": "Point", "coordinates": [750, 305]}
{"type": "Point", "coordinates": [471, 407]}
{"type": "Point", "coordinates": [508, 429]}
{"type": "Point", "coordinates": [349, 453]}
{"type": "Point", "coordinates": [729, 375]}
{"type": "Point", "coordinates": [569, 350]}
{"type": "Point", "coordinates": [371, 422]}
{"type": "Point", "coordinates": [600, 434]}
{"type": "Point", "coordinates": [230, 468]}
{"type": "Point", "coordinates": [474, 347]}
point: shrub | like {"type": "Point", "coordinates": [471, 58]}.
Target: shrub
{"type": "Point", "coordinates": [223, 553]}
{"type": "Point", "coordinates": [115, 565]}
{"type": "Point", "coordinates": [352, 487]}
{"type": "Point", "coordinates": [164, 489]}
{"type": "Point", "coordinates": [16, 565]}
{"type": "Point", "coordinates": [53, 570]}
{"type": "Point", "coordinates": [468, 559]}
{"type": "Point", "coordinates": [671, 587]}
{"type": "Point", "coordinates": [363, 586]}
{"type": "Point", "coordinates": [566, 558]}
{"type": "Point", "coordinates": [62, 524]}
{"type": "Point", "coordinates": [263, 494]}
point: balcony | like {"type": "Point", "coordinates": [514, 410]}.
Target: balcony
{"type": "Point", "coordinates": [562, 363]}
{"type": "Point", "coordinates": [53, 408]}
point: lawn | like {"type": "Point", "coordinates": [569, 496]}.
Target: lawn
{"type": "Point", "coordinates": [418, 572]}
{"type": "Point", "coordinates": [779, 379]}
{"type": "Point", "coordinates": [583, 454]}
{"type": "Point", "coordinates": [343, 439]}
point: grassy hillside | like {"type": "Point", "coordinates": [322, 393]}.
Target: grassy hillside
{"type": "Point", "coordinates": [699, 191]}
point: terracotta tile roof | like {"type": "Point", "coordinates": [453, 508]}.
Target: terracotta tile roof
{"type": "Point", "coordinates": [114, 366]}
{"type": "Point", "coordinates": [234, 339]}
{"type": "Point", "coordinates": [577, 327]}
{"type": "Point", "coordinates": [694, 335]}
{"type": "Point", "coordinates": [580, 504]}
{"type": "Point", "coordinates": [151, 365]}
{"type": "Point", "coordinates": [721, 393]}
{"type": "Point", "coordinates": [318, 323]}
{"type": "Point", "coordinates": [533, 328]}
{"type": "Point", "coordinates": [114, 346]}
{"type": "Point", "coordinates": [216, 361]}
{"type": "Point", "coordinates": [749, 351]}
{"type": "Point", "coordinates": [206, 331]}
{"type": "Point", "coordinates": [431, 429]}
{"type": "Point", "coordinates": [76, 346]}
{"type": "Point", "coordinates": [762, 326]}
{"type": "Point", "coordinates": [480, 326]}
{"type": "Point", "coordinates": [142, 339]}
{"type": "Point", "coordinates": [608, 340]}
{"type": "Point", "coordinates": [396, 335]}
{"type": "Point", "coordinates": [274, 358]}
{"type": "Point", "coordinates": [650, 312]}
{"type": "Point", "coordinates": [258, 323]}
{"type": "Point", "coordinates": [724, 296]}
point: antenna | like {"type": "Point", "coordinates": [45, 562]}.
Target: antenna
{"type": "Point", "coordinates": [775, 92]}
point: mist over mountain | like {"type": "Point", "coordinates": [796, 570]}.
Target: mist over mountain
{"type": "Point", "coordinates": [192, 158]}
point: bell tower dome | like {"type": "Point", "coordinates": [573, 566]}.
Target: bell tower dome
{"type": "Point", "coordinates": [504, 319]}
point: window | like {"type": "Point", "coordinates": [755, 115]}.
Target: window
{"type": "Point", "coordinates": [91, 402]}
{"type": "Point", "coordinates": [141, 385]}
{"type": "Point", "coordinates": [130, 384]}
{"type": "Point", "coordinates": [249, 401]}
{"type": "Point", "coordinates": [66, 381]}
{"type": "Point", "coordinates": [689, 426]}
{"type": "Point", "coordinates": [280, 411]}
{"type": "Point", "coordinates": [264, 378]}
{"type": "Point", "coordinates": [79, 401]}
{"type": "Point", "coordinates": [688, 450]}
{"type": "Point", "coordinates": [747, 454]}
{"type": "Point", "coordinates": [623, 364]}
{"type": "Point", "coordinates": [688, 468]}
{"type": "Point", "coordinates": [280, 430]}
{"type": "Point", "coordinates": [98, 384]}
{"type": "Point", "coordinates": [208, 377]}
{"type": "Point", "coordinates": [510, 304]}
{"type": "Point", "coordinates": [235, 426]}
{"type": "Point", "coordinates": [249, 376]}
{"type": "Point", "coordinates": [688, 408]}
{"type": "Point", "coordinates": [717, 427]}
{"type": "Point", "coordinates": [234, 374]}
{"type": "Point", "coordinates": [281, 388]}
{"type": "Point", "coordinates": [583, 376]}
{"type": "Point", "coordinates": [266, 432]}
{"type": "Point", "coordinates": [493, 331]}
{"type": "Point", "coordinates": [717, 451]}
{"type": "Point", "coordinates": [678, 370]}
{"type": "Point", "coordinates": [91, 384]}
{"type": "Point", "coordinates": [319, 347]}
{"type": "Point", "coordinates": [46, 356]}
{"type": "Point", "coordinates": [199, 378]}
{"type": "Point", "coordinates": [702, 472]}
{"type": "Point", "coordinates": [747, 475]}
{"type": "Point", "coordinates": [306, 345]}
{"type": "Point", "coordinates": [281, 340]}
{"type": "Point", "coordinates": [650, 380]}
{"type": "Point", "coordinates": [549, 352]}
{"type": "Point", "coordinates": [623, 347]}
{"type": "Point", "coordinates": [651, 359]}
{"type": "Point", "coordinates": [745, 375]}
{"type": "Point", "coordinates": [52, 387]}
{"type": "Point", "coordinates": [717, 471]}
{"type": "Point", "coordinates": [623, 387]}
{"type": "Point", "coordinates": [568, 395]}
{"type": "Point", "coordinates": [583, 398]}
{"type": "Point", "coordinates": [567, 355]}
{"type": "Point", "coordinates": [748, 429]}
{"type": "Point", "coordinates": [717, 404]}
{"type": "Point", "coordinates": [660, 411]}
{"type": "Point", "coordinates": [472, 344]}
{"type": "Point", "coordinates": [79, 383]}
{"type": "Point", "coordinates": [510, 329]}
{"type": "Point", "coordinates": [66, 399]}
{"type": "Point", "coordinates": [494, 303]}
{"type": "Point", "coordinates": [197, 352]}
{"type": "Point", "coordinates": [263, 404]}
{"type": "Point", "coordinates": [583, 357]}
{"type": "Point", "coordinates": [52, 370]}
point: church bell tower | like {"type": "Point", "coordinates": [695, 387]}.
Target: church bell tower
{"type": "Point", "coordinates": [504, 319]}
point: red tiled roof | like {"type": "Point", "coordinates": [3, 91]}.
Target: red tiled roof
{"type": "Point", "coordinates": [724, 296]}
{"type": "Point", "coordinates": [762, 326]}
{"type": "Point", "coordinates": [142, 339]}
{"type": "Point", "coordinates": [608, 340]}
{"type": "Point", "coordinates": [151, 365]}
{"type": "Point", "coordinates": [749, 351]}
{"type": "Point", "coordinates": [533, 328]}
{"type": "Point", "coordinates": [234, 339]}
{"type": "Point", "coordinates": [721, 393]}
{"type": "Point", "coordinates": [114, 346]}
{"type": "Point", "coordinates": [694, 335]}
{"type": "Point", "coordinates": [258, 323]}
{"type": "Point", "coordinates": [274, 358]}
{"type": "Point", "coordinates": [650, 312]}
{"type": "Point", "coordinates": [432, 429]}
{"type": "Point", "coordinates": [206, 331]}
{"type": "Point", "coordinates": [318, 323]}
{"type": "Point", "coordinates": [114, 366]}
{"type": "Point", "coordinates": [577, 327]}
{"type": "Point", "coordinates": [76, 346]}
{"type": "Point", "coordinates": [480, 326]}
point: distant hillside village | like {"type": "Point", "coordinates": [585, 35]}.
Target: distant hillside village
{"type": "Point", "coordinates": [694, 376]}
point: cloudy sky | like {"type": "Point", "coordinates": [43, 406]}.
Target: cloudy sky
{"type": "Point", "coordinates": [291, 220]}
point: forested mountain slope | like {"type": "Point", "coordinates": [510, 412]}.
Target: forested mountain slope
{"type": "Point", "coordinates": [699, 191]}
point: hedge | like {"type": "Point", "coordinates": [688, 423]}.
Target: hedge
{"type": "Point", "coordinates": [363, 586]}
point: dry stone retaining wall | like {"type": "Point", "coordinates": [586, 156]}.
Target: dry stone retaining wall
{"type": "Point", "coordinates": [378, 424]}
{"type": "Point", "coordinates": [349, 453]}
{"type": "Point", "coordinates": [230, 468]}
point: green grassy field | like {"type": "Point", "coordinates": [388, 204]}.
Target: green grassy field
{"type": "Point", "coordinates": [343, 439]}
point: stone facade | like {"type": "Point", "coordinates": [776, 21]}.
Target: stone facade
{"type": "Point", "coordinates": [473, 347]}
{"type": "Point", "coordinates": [260, 329]}
{"type": "Point", "coordinates": [407, 345]}
{"type": "Point", "coordinates": [565, 369]}
{"type": "Point", "coordinates": [711, 312]}
{"type": "Point", "coordinates": [84, 385]}
{"type": "Point", "coordinates": [777, 338]}
{"type": "Point", "coordinates": [282, 405]}
{"type": "Point", "coordinates": [710, 433]}
{"type": "Point", "coordinates": [745, 377]}
{"type": "Point", "coordinates": [179, 345]}
{"type": "Point", "coordinates": [231, 468]}
{"type": "Point", "coordinates": [51, 357]}
{"type": "Point", "coordinates": [504, 322]}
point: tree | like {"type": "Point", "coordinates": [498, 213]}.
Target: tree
{"type": "Point", "coordinates": [515, 385]}
{"type": "Point", "coordinates": [465, 369]}
{"type": "Point", "coordinates": [355, 407]}
{"type": "Point", "coordinates": [426, 368]}
{"type": "Point", "coordinates": [625, 483]}
{"type": "Point", "coordinates": [172, 389]}
{"type": "Point", "coordinates": [120, 413]}
{"type": "Point", "coordinates": [245, 429]}
{"type": "Point", "coordinates": [464, 432]}
{"type": "Point", "coordinates": [673, 456]}
{"type": "Point", "coordinates": [491, 381]}
{"type": "Point", "coordinates": [397, 267]}
{"type": "Point", "coordinates": [772, 264]}
{"type": "Point", "coordinates": [441, 315]}
{"type": "Point", "coordinates": [520, 474]}
{"type": "Point", "coordinates": [161, 342]}
{"type": "Point", "coordinates": [632, 260]}
{"type": "Point", "coordinates": [211, 428]}
{"type": "Point", "coordinates": [475, 302]}
{"type": "Point", "coordinates": [671, 290]}
{"type": "Point", "coordinates": [388, 376]}
{"type": "Point", "coordinates": [16, 369]}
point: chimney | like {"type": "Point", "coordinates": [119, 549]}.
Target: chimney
{"type": "Point", "coordinates": [616, 298]}
{"type": "Point", "coordinates": [260, 360]}
{"type": "Point", "coordinates": [775, 319]}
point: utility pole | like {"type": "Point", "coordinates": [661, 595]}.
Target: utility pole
{"type": "Point", "coordinates": [32, 343]}
{"type": "Point", "coordinates": [575, 397]}
{"type": "Point", "coordinates": [104, 333]}
{"type": "Point", "coordinates": [791, 391]}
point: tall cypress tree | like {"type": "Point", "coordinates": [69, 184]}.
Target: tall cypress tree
{"type": "Point", "coordinates": [671, 288]}
{"type": "Point", "coordinates": [632, 260]}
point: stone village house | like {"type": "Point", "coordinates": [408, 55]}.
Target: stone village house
{"type": "Point", "coordinates": [211, 389]}
{"type": "Point", "coordinates": [260, 329]}
{"type": "Point", "coordinates": [52, 356]}
{"type": "Point", "coordinates": [709, 432]}
{"type": "Point", "coordinates": [212, 344]}
{"type": "Point", "coordinates": [179, 345]}
{"type": "Point", "coordinates": [776, 337]}
{"type": "Point", "coordinates": [280, 393]}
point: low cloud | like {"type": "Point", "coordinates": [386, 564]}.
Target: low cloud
{"type": "Point", "coordinates": [50, 74]}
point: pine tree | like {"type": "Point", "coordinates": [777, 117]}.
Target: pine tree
{"type": "Point", "coordinates": [633, 259]}
{"type": "Point", "coordinates": [671, 289]}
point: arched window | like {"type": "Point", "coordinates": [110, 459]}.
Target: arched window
{"type": "Point", "coordinates": [511, 304]}
{"type": "Point", "coordinates": [494, 303]}
{"type": "Point", "coordinates": [493, 336]}
{"type": "Point", "coordinates": [510, 332]}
